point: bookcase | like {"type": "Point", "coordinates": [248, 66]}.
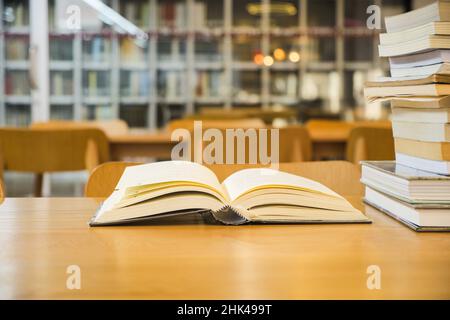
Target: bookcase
{"type": "Point", "coordinates": [306, 54]}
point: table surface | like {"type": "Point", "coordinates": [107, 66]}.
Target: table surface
{"type": "Point", "coordinates": [186, 259]}
{"type": "Point", "coordinates": [317, 135]}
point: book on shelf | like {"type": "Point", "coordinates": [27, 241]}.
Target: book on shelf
{"type": "Point", "coordinates": [439, 151]}
{"type": "Point", "coordinates": [422, 131]}
{"type": "Point", "coordinates": [172, 15]}
{"type": "Point", "coordinates": [416, 45]}
{"type": "Point", "coordinates": [422, 115]}
{"type": "Point", "coordinates": [209, 84]}
{"type": "Point", "coordinates": [92, 83]}
{"type": "Point", "coordinates": [422, 71]}
{"type": "Point", "coordinates": [420, 59]}
{"type": "Point", "coordinates": [163, 189]}
{"type": "Point", "coordinates": [17, 83]}
{"type": "Point", "coordinates": [432, 28]}
{"type": "Point", "coordinates": [57, 84]}
{"type": "Point", "coordinates": [129, 51]}
{"type": "Point", "coordinates": [16, 49]}
{"type": "Point", "coordinates": [435, 12]}
{"type": "Point", "coordinates": [199, 15]}
{"type": "Point", "coordinates": [435, 166]}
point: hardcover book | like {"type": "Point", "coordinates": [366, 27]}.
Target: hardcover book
{"type": "Point", "coordinates": [163, 189]}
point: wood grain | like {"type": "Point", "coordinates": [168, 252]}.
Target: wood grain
{"type": "Point", "coordinates": [186, 259]}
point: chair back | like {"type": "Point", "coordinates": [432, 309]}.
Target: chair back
{"type": "Point", "coordinates": [110, 127]}
{"type": "Point", "coordinates": [370, 143]}
{"type": "Point", "coordinates": [340, 176]}
{"type": "Point", "coordinates": [52, 150]}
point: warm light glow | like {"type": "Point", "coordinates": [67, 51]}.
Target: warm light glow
{"type": "Point", "coordinates": [268, 61]}
{"type": "Point", "coordinates": [279, 54]}
{"type": "Point", "coordinates": [274, 8]}
{"type": "Point", "coordinates": [294, 56]}
{"type": "Point", "coordinates": [258, 58]}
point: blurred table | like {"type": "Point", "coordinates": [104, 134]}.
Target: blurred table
{"type": "Point", "coordinates": [329, 137]}
{"type": "Point", "coordinates": [141, 144]}
{"type": "Point", "coordinates": [329, 140]}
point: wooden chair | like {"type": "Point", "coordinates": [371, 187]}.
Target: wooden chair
{"type": "Point", "coordinates": [110, 127]}
{"type": "Point", "coordinates": [340, 176]}
{"type": "Point", "coordinates": [52, 150]}
{"type": "Point", "coordinates": [2, 192]}
{"type": "Point", "coordinates": [370, 143]}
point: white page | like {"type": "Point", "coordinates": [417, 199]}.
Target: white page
{"type": "Point", "coordinates": [168, 171]}
{"type": "Point", "coordinates": [245, 180]}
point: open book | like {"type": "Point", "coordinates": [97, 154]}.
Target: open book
{"type": "Point", "coordinates": [170, 188]}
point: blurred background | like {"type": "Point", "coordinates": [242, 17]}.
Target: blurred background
{"type": "Point", "coordinates": [307, 57]}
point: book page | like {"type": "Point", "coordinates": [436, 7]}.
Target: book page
{"type": "Point", "coordinates": [168, 172]}
{"type": "Point", "coordinates": [244, 181]}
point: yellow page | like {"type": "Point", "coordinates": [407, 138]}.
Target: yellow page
{"type": "Point", "coordinates": [245, 181]}
{"type": "Point", "coordinates": [165, 173]}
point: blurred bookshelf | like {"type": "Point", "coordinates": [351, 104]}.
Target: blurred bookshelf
{"type": "Point", "coordinates": [297, 53]}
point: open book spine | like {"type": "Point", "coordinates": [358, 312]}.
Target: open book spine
{"type": "Point", "coordinates": [227, 215]}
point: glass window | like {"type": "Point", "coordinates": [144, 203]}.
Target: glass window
{"type": "Point", "coordinates": [284, 84]}
{"type": "Point", "coordinates": [134, 115]}
{"type": "Point", "coordinates": [208, 49]}
{"type": "Point", "coordinates": [247, 86]}
{"type": "Point", "coordinates": [284, 14]}
{"type": "Point", "coordinates": [96, 83]}
{"type": "Point", "coordinates": [18, 115]}
{"type": "Point", "coordinates": [17, 83]}
{"type": "Point", "coordinates": [134, 83]}
{"type": "Point", "coordinates": [171, 84]}
{"type": "Point", "coordinates": [245, 47]}
{"type": "Point", "coordinates": [96, 48]}
{"type": "Point", "coordinates": [61, 112]}
{"type": "Point", "coordinates": [322, 13]}
{"type": "Point", "coordinates": [61, 83]}
{"type": "Point", "coordinates": [17, 47]}
{"type": "Point", "coordinates": [61, 48]}
{"type": "Point", "coordinates": [172, 14]}
{"type": "Point", "coordinates": [319, 48]}
{"type": "Point", "coordinates": [16, 14]}
{"type": "Point", "coordinates": [246, 13]}
{"type": "Point", "coordinates": [209, 84]}
{"type": "Point", "coordinates": [355, 13]}
{"type": "Point", "coordinates": [358, 48]}
{"type": "Point", "coordinates": [208, 14]}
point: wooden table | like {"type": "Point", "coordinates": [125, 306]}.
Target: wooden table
{"type": "Point", "coordinates": [327, 144]}
{"type": "Point", "coordinates": [141, 144]}
{"type": "Point", "coordinates": [40, 238]}
{"type": "Point", "coordinates": [329, 138]}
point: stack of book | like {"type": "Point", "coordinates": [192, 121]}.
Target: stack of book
{"type": "Point", "coordinates": [417, 44]}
